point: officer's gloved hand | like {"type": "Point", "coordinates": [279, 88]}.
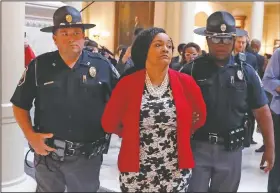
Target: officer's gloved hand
{"type": "Point", "coordinates": [37, 142]}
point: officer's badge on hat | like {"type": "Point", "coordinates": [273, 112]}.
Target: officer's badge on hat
{"type": "Point", "coordinates": [68, 18]}
{"type": "Point", "coordinates": [65, 17]}
{"type": "Point", "coordinates": [223, 27]}
{"type": "Point", "coordinates": [222, 24]}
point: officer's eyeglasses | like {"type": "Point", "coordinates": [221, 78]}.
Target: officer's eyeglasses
{"type": "Point", "coordinates": [222, 40]}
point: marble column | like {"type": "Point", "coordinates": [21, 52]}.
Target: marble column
{"type": "Point", "coordinates": [187, 20]}
{"type": "Point", "coordinates": [12, 60]}
{"type": "Point", "coordinates": [257, 20]}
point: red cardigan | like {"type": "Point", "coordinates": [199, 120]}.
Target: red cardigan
{"type": "Point", "coordinates": [122, 114]}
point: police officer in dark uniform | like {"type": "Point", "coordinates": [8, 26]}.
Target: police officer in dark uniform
{"type": "Point", "coordinates": [70, 87]}
{"type": "Point", "coordinates": [230, 87]}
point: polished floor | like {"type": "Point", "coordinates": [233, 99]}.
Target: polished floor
{"type": "Point", "coordinates": [253, 179]}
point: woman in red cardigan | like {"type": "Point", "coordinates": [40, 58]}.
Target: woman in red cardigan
{"type": "Point", "coordinates": [152, 110]}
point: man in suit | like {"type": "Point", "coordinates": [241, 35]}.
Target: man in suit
{"type": "Point", "coordinates": [255, 49]}
{"type": "Point", "coordinates": [239, 46]}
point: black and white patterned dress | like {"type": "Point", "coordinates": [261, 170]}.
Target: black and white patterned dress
{"type": "Point", "coordinates": [158, 149]}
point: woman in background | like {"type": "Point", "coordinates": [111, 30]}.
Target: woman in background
{"type": "Point", "coordinates": [190, 52]}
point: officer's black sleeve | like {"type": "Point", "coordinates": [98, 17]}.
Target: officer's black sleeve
{"type": "Point", "coordinates": [120, 67]}
{"type": "Point", "coordinates": [187, 68]}
{"type": "Point", "coordinates": [26, 89]}
{"type": "Point", "coordinates": [256, 95]}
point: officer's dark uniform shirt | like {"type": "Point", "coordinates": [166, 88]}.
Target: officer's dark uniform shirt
{"type": "Point", "coordinates": [68, 102]}
{"type": "Point", "coordinates": [226, 96]}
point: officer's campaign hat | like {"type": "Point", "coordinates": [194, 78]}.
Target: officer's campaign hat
{"type": "Point", "coordinates": [222, 24]}
{"type": "Point", "coordinates": [65, 17]}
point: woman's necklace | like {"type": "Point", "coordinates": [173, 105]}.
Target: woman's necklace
{"type": "Point", "coordinates": [157, 91]}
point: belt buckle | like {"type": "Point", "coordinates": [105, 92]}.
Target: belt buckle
{"type": "Point", "coordinates": [213, 138]}
{"type": "Point", "coordinates": [70, 150]}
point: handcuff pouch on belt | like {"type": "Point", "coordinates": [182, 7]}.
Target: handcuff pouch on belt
{"type": "Point", "coordinates": [98, 147]}
{"type": "Point", "coordinates": [235, 139]}
{"type": "Point", "coordinates": [68, 148]}
{"type": "Point", "coordinates": [59, 153]}
{"type": "Point", "coordinates": [248, 126]}
{"type": "Point", "coordinates": [60, 147]}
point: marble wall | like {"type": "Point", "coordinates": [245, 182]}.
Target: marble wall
{"type": "Point", "coordinates": [40, 42]}
{"type": "Point", "coordinates": [38, 15]}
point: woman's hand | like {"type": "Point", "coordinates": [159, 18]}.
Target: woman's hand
{"type": "Point", "coordinates": [195, 117]}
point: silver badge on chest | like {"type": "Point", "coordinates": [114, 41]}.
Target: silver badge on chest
{"type": "Point", "coordinates": [240, 75]}
{"type": "Point", "coordinates": [92, 72]}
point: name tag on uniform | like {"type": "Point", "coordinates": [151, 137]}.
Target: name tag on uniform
{"type": "Point", "coordinates": [51, 82]}
{"type": "Point", "coordinates": [203, 82]}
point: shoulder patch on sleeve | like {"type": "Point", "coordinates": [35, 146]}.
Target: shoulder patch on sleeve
{"type": "Point", "coordinates": [251, 67]}
{"type": "Point", "coordinates": [22, 79]}
{"type": "Point", "coordinates": [259, 78]}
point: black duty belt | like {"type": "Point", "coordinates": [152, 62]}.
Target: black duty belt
{"type": "Point", "coordinates": [212, 138]}
{"type": "Point", "coordinates": [69, 148]}
{"type": "Point", "coordinates": [232, 140]}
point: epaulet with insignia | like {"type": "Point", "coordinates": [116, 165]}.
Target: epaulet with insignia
{"type": "Point", "coordinates": [93, 55]}
{"type": "Point", "coordinates": [97, 56]}
{"type": "Point", "coordinates": [33, 64]}
{"type": "Point", "coordinates": [47, 59]}
{"type": "Point", "coordinates": [46, 55]}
